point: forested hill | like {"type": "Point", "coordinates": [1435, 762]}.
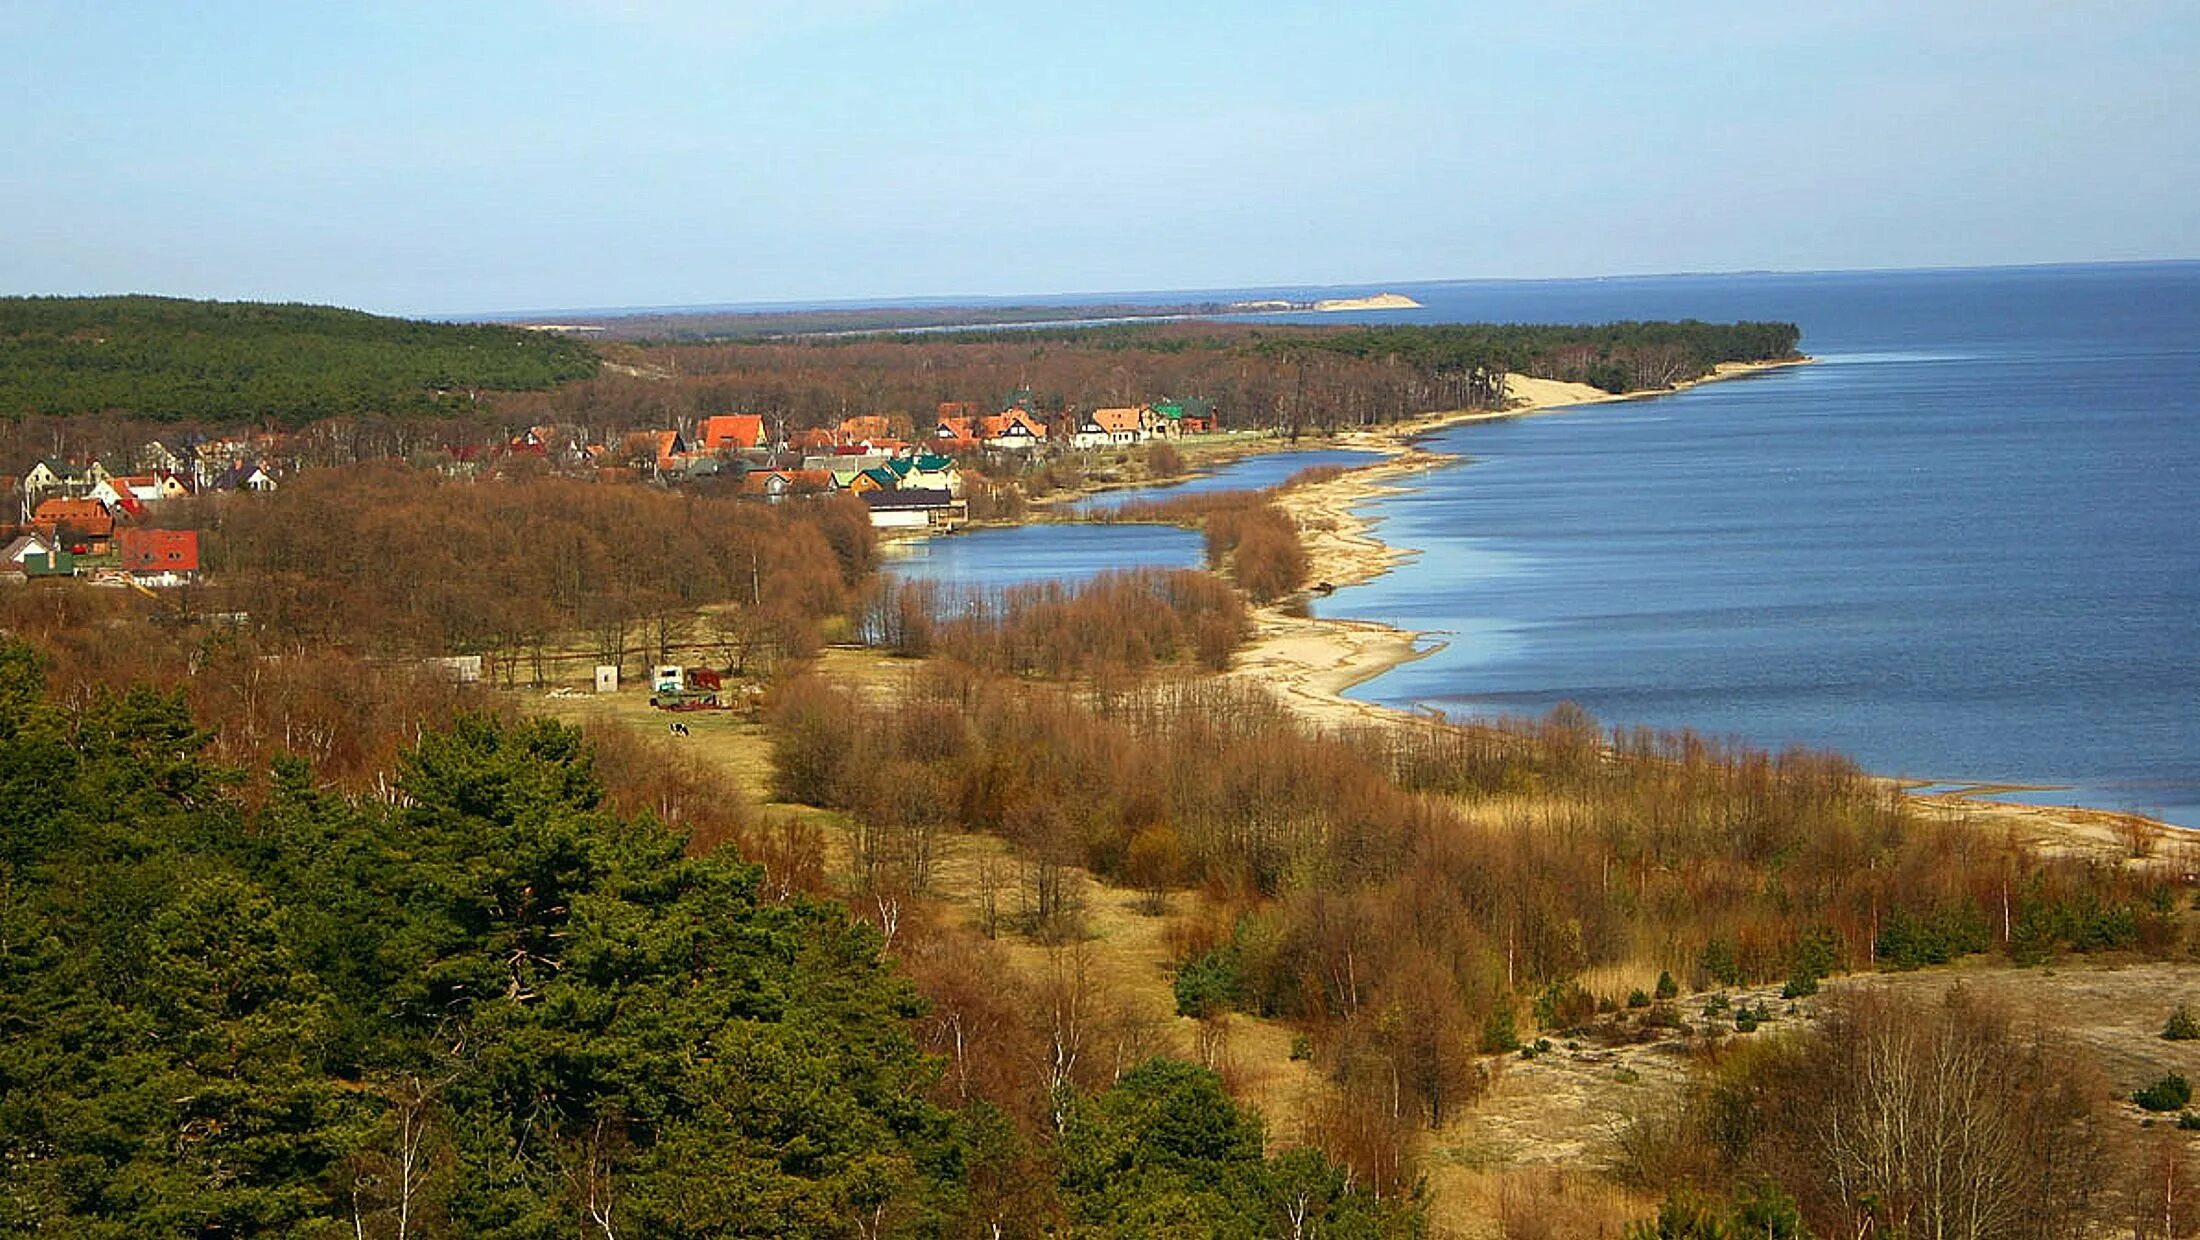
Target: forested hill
{"type": "Point", "coordinates": [1618, 357]}
{"type": "Point", "coordinates": [210, 361]}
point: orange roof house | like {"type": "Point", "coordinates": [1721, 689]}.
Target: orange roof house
{"type": "Point", "coordinates": [730, 432]}
{"type": "Point", "coordinates": [1013, 425]}
{"type": "Point", "coordinates": [867, 426]}
{"type": "Point", "coordinates": [1124, 421]}
{"type": "Point", "coordinates": [670, 446]}
{"type": "Point", "coordinates": [86, 517]}
{"type": "Point", "coordinates": [157, 552]}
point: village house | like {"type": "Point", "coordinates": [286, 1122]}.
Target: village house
{"type": "Point", "coordinates": [777, 484]}
{"type": "Point", "coordinates": [534, 441]}
{"type": "Point", "coordinates": [841, 463]}
{"type": "Point", "coordinates": [1016, 430]}
{"type": "Point", "coordinates": [730, 433]}
{"type": "Point", "coordinates": [158, 456]}
{"type": "Point", "coordinates": [866, 428]}
{"type": "Point", "coordinates": [1178, 418]}
{"type": "Point", "coordinates": [915, 510]}
{"type": "Point", "coordinates": [53, 478]}
{"type": "Point", "coordinates": [132, 492]}
{"type": "Point", "coordinates": [244, 477]}
{"type": "Point", "coordinates": [213, 456]}
{"type": "Point", "coordinates": [159, 558]}
{"type": "Point", "coordinates": [14, 556]}
{"type": "Point", "coordinates": [1103, 427]}
{"type": "Point", "coordinates": [79, 526]}
{"type": "Point", "coordinates": [928, 471]}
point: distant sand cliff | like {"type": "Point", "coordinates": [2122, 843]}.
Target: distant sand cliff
{"type": "Point", "coordinates": [1380, 301]}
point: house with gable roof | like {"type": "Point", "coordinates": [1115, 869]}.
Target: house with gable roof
{"type": "Point", "coordinates": [914, 510]}
{"type": "Point", "coordinates": [1017, 430]}
{"type": "Point", "coordinates": [730, 432]}
{"type": "Point", "coordinates": [929, 471]}
{"type": "Point", "coordinates": [1123, 425]}
{"type": "Point", "coordinates": [243, 477]}
{"type": "Point", "coordinates": [1178, 418]}
{"type": "Point", "coordinates": [54, 478]}
{"type": "Point", "coordinates": [83, 526]}
{"type": "Point", "coordinates": [13, 557]}
{"type": "Point", "coordinates": [160, 557]}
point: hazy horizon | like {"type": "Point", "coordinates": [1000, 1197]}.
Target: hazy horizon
{"type": "Point", "coordinates": [1099, 296]}
{"type": "Point", "coordinates": [508, 158]}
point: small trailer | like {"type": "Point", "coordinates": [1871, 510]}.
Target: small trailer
{"type": "Point", "coordinates": [692, 688]}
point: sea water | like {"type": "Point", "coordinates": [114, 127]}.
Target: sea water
{"type": "Point", "coordinates": [1963, 545]}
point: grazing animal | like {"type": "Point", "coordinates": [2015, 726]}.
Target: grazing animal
{"type": "Point", "coordinates": [678, 728]}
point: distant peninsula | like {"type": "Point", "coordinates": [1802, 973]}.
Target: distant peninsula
{"type": "Point", "coordinates": [1380, 301]}
{"type": "Point", "coordinates": [704, 324]}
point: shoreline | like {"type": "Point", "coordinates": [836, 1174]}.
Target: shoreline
{"type": "Point", "coordinates": [1311, 662]}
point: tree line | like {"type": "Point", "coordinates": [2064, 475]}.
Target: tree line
{"type": "Point", "coordinates": [527, 570]}
{"type": "Point", "coordinates": [1118, 627]}
{"type": "Point", "coordinates": [169, 359]}
{"type": "Point", "coordinates": [1307, 378]}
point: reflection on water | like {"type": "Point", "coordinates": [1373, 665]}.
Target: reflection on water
{"type": "Point", "coordinates": [989, 559]}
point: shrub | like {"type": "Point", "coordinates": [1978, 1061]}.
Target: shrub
{"type": "Point", "coordinates": [1815, 955]}
{"type": "Point", "coordinates": [1637, 999]}
{"type": "Point", "coordinates": [1564, 1005]}
{"type": "Point", "coordinates": [1667, 987]}
{"type": "Point", "coordinates": [2182, 1026]}
{"type": "Point", "coordinates": [1209, 984]}
{"type": "Point", "coordinates": [1720, 964]}
{"type": "Point", "coordinates": [1164, 461]}
{"type": "Point", "coordinates": [1907, 940]}
{"type": "Point", "coordinates": [2170, 1093]}
{"type": "Point", "coordinates": [2189, 1121]}
{"type": "Point", "coordinates": [1500, 1030]}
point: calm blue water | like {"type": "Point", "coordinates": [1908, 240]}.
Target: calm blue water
{"type": "Point", "coordinates": [989, 559]}
{"type": "Point", "coordinates": [1246, 474]}
{"type": "Point", "coordinates": [1961, 547]}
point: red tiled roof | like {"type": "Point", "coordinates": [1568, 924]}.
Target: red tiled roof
{"type": "Point", "coordinates": [87, 515]}
{"type": "Point", "coordinates": [156, 551]}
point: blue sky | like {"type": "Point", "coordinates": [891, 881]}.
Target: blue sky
{"type": "Point", "coordinates": [455, 157]}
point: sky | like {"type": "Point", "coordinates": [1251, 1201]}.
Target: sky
{"type": "Point", "coordinates": [452, 158]}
